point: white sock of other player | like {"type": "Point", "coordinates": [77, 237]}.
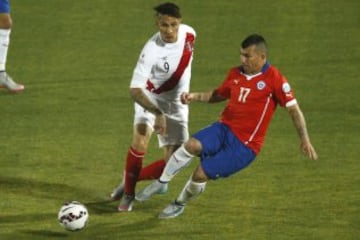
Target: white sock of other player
{"type": "Point", "coordinates": [4, 46]}
{"type": "Point", "coordinates": [190, 191]}
{"type": "Point", "coordinates": [180, 159]}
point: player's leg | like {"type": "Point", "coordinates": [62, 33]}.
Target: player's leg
{"type": "Point", "coordinates": [180, 159]}
{"type": "Point", "coordinates": [133, 166]}
{"type": "Point", "coordinates": [118, 192]}
{"type": "Point", "coordinates": [208, 137]}
{"type": "Point", "coordinates": [204, 143]}
{"type": "Point", "coordinates": [231, 158]}
{"type": "Point", "coordinates": [154, 169]}
{"type": "Point", "coordinates": [143, 122]}
{"type": "Point", "coordinates": [5, 30]}
{"type": "Point", "coordinates": [135, 155]}
{"type": "Point", "coordinates": [193, 188]}
{"type": "Point", "coordinates": [177, 134]}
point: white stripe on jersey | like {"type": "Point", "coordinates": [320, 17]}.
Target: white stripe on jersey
{"type": "Point", "coordinates": [261, 119]}
{"type": "Point", "coordinates": [291, 103]}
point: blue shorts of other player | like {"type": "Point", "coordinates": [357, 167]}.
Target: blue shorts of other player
{"type": "Point", "coordinates": [222, 153]}
{"type": "Point", "coordinates": [4, 6]}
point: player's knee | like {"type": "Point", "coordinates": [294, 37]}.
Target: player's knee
{"type": "Point", "coordinates": [140, 143]}
{"type": "Point", "coordinates": [141, 137]}
{"type": "Point", "coordinates": [5, 21]}
{"type": "Point", "coordinates": [193, 146]}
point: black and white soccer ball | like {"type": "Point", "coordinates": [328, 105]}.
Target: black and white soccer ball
{"type": "Point", "coordinates": [73, 216]}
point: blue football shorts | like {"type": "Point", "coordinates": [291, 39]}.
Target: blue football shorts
{"type": "Point", "coordinates": [4, 6]}
{"type": "Point", "coordinates": [223, 154]}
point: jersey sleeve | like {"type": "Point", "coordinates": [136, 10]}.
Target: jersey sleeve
{"type": "Point", "coordinates": [224, 89]}
{"type": "Point", "coordinates": [283, 92]}
{"type": "Point", "coordinates": [188, 29]}
{"type": "Point", "coordinates": [143, 66]}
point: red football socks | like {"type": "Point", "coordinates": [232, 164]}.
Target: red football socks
{"type": "Point", "coordinates": [133, 167]}
{"type": "Point", "coordinates": [152, 171]}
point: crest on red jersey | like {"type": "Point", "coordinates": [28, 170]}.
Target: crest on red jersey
{"type": "Point", "coordinates": [286, 87]}
{"type": "Point", "coordinates": [261, 85]}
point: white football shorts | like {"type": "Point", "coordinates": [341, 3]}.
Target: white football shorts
{"type": "Point", "coordinates": [177, 131]}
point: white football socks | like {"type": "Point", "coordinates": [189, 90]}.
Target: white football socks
{"type": "Point", "coordinates": [4, 46]}
{"type": "Point", "coordinates": [180, 159]}
{"type": "Point", "coordinates": [190, 191]}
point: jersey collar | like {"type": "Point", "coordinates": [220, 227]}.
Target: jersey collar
{"type": "Point", "coordinates": [265, 67]}
{"type": "Point", "coordinates": [263, 70]}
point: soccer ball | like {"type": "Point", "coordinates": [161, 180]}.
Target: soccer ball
{"type": "Point", "coordinates": [73, 216]}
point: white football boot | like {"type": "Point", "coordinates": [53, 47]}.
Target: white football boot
{"type": "Point", "coordinates": [155, 187]}
{"type": "Point", "coordinates": [173, 210]}
{"type": "Point", "coordinates": [7, 82]}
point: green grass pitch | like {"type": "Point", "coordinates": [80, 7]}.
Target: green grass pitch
{"type": "Point", "coordinates": [65, 137]}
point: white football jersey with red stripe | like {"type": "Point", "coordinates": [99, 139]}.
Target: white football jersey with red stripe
{"type": "Point", "coordinates": [164, 69]}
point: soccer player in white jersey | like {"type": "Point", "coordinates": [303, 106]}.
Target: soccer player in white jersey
{"type": "Point", "coordinates": [5, 29]}
{"type": "Point", "coordinates": [162, 73]}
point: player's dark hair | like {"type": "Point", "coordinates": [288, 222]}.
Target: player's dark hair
{"type": "Point", "coordinates": [168, 9]}
{"type": "Point", "coordinates": [255, 39]}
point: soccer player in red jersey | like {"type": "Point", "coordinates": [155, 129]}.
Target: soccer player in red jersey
{"type": "Point", "coordinates": [253, 91]}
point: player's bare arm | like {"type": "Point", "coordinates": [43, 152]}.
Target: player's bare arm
{"type": "Point", "coordinates": [300, 125]}
{"type": "Point", "coordinates": [210, 97]}
{"type": "Point", "coordinates": [140, 97]}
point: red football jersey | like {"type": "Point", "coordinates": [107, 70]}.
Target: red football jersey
{"type": "Point", "coordinates": [252, 102]}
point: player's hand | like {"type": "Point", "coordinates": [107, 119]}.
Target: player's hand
{"type": "Point", "coordinates": [186, 98]}
{"type": "Point", "coordinates": [308, 150]}
{"type": "Point", "coordinates": [160, 124]}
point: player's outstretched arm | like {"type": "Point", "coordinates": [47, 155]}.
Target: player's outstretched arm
{"type": "Point", "coordinates": [300, 124]}
{"type": "Point", "coordinates": [210, 97]}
